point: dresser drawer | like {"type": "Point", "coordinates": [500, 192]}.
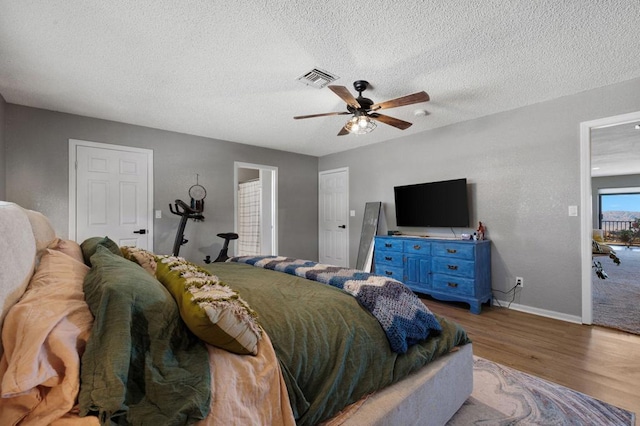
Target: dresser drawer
{"type": "Point", "coordinates": [390, 271]}
{"type": "Point", "coordinates": [454, 250]}
{"type": "Point", "coordinates": [388, 244]}
{"type": "Point", "coordinates": [417, 247]}
{"type": "Point", "coordinates": [389, 258]}
{"type": "Point", "coordinates": [453, 285]}
{"type": "Point", "coordinates": [457, 267]}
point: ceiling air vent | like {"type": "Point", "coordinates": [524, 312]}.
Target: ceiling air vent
{"type": "Point", "coordinates": [317, 78]}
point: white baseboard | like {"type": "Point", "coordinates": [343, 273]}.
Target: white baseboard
{"type": "Point", "coordinates": [537, 311]}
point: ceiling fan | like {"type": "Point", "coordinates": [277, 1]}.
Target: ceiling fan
{"type": "Point", "coordinates": [364, 110]}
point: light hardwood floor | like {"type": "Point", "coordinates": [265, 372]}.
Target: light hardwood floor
{"type": "Point", "coordinates": [597, 361]}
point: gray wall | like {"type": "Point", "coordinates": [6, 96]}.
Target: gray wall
{"type": "Point", "coordinates": [598, 183]}
{"type": "Point", "coordinates": [37, 151]}
{"type": "Point", "coordinates": [3, 106]}
{"type": "Point", "coordinates": [523, 167]}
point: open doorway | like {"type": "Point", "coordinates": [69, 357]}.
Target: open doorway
{"type": "Point", "coordinates": [615, 291]}
{"type": "Point", "coordinates": [256, 207]}
{"type": "Point", "coordinates": [605, 164]}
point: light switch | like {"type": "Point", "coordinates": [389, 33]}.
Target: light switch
{"type": "Point", "coordinates": [158, 214]}
{"type": "Point", "coordinates": [352, 213]}
{"type": "Point", "coordinates": [573, 210]}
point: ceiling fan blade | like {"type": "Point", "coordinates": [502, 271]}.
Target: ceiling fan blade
{"type": "Point", "coordinates": [395, 122]}
{"type": "Point", "coordinates": [345, 95]}
{"type": "Point", "coordinates": [321, 115]}
{"type": "Point", "coordinates": [343, 131]}
{"type": "Point", "coordinates": [402, 101]}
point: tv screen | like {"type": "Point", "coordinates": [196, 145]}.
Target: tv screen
{"type": "Point", "coordinates": [436, 204]}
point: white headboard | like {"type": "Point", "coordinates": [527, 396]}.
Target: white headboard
{"type": "Point", "coordinates": [23, 234]}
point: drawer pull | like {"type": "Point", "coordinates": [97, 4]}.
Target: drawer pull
{"type": "Point", "coordinates": [417, 247]}
{"type": "Point", "coordinates": [453, 267]}
{"type": "Point", "coordinates": [389, 273]}
{"type": "Point", "coordinates": [388, 245]}
{"type": "Point", "coordinates": [388, 258]}
{"type": "Point", "coordinates": [452, 251]}
{"type": "Point", "coordinates": [454, 285]}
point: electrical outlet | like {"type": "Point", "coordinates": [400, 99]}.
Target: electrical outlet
{"type": "Point", "coordinates": [519, 282]}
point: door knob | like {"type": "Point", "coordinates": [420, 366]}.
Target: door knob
{"type": "Point", "coordinates": [342, 226]}
{"type": "Point", "coordinates": [142, 232]}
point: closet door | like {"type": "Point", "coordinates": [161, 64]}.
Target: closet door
{"type": "Point", "coordinates": [334, 217]}
{"type": "Point", "coordinates": [112, 194]}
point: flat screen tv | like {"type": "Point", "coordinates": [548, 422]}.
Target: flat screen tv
{"type": "Point", "coordinates": [435, 204]}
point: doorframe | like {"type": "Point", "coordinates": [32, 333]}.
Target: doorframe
{"type": "Point", "coordinates": [347, 215]}
{"type": "Point", "coordinates": [587, 202]}
{"type": "Point", "coordinates": [73, 163]}
{"type": "Point", "coordinates": [274, 199]}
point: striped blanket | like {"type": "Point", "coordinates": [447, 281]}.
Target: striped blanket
{"type": "Point", "coordinates": [404, 318]}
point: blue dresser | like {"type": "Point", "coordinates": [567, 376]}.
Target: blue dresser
{"type": "Point", "coordinates": [451, 270]}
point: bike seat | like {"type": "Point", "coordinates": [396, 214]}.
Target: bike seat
{"type": "Point", "coordinates": [228, 236]}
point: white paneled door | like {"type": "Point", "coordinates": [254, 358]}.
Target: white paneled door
{"type": "Point", "coordinates": [334, 217]}
{"type": "Point", "coordinates": [112, 198]}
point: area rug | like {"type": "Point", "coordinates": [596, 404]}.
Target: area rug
{"type": "Point", "coordinates": [616, 299]}
{"type": "Point", "coordinates": [504, 396]}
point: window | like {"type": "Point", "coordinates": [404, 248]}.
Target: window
{"type": "Point", "coordinates": [618, 209]}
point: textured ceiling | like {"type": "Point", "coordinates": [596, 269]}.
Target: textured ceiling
{"type": "Point", "coordinates": [228, 70]}
{"type": "Point", "coordinates": [615, 150]}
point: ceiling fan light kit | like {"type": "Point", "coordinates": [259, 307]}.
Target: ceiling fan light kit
{"type": "Point", "coordinates": [360, 125]}
{"type": "Point", "coordinates": [364, 109]}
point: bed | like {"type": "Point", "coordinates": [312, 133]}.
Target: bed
{"type": "Point", "coordinates": [309, 353]}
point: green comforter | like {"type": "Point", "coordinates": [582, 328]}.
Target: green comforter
{"type": "Point", "coordinates": [331, 350]}
{"type": "Point", "coordinates": [140, 356]}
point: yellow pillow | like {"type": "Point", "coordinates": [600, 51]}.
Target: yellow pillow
{"type": "Point", "coordinates": [211, 309]}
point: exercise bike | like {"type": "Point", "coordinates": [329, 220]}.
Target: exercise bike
{"type": "Point", "coordinates": [223, 256]}
{"type": "Point", "coordinates": [187, 212]}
